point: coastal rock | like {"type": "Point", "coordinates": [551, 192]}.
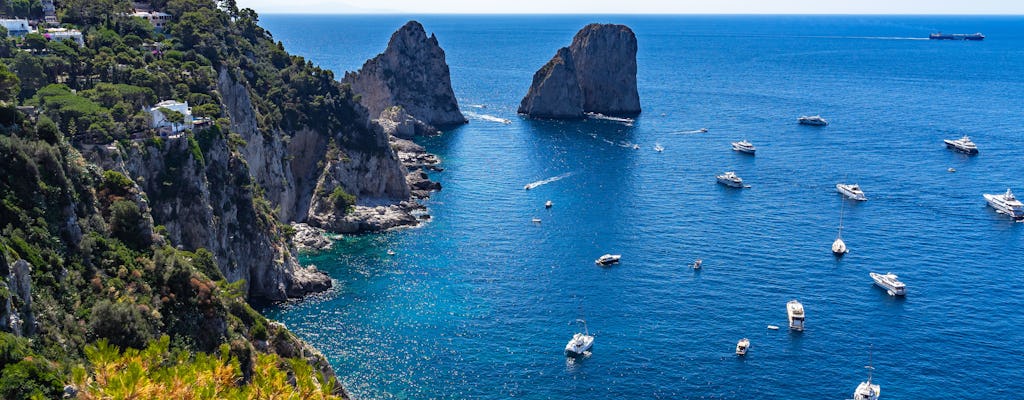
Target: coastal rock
{"type": "Point", "coordinates": [368, 218]}
{"type": "Point", "coordinates": [414, 156]}
{"type": "Point", "coordinates": [555, 92]}
{"type": "Point", "coordinates": [411, 73]}
{"type": "Point", "coordinates": [394, 121]}
{"type": "Point", "coordinates": [595, 74]}
{"type": "Point", "coordinates": [309, 238]}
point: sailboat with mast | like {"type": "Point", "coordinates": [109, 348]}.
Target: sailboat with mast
{"type": "Point", "coordinates": [580, 343]}
{"type": "Point", "coordinates": [839, 246]}
{"type": "Point", "coordinates": [867, 390]}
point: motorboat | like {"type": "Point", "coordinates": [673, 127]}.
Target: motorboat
{"type": "Point", "coordinates": [1007, 204]}
{"type": "Point", "coordinates": [580, 343]}
{"type": "Point", "coordinates": [703, 130]}
{"type": "Point", "coordinates": [742, 346]}
{"type": "Point", "coordinates": [608, 259]}
{"type": "Point", "coordinates": [773, 327]}
{"type": "Point", "coordinates": [890, 282]}
{"type": "Point", "coordinates": [796, 315]}
{"type": "Point", "coordinates": [636, 146]}
{"type": "Point", "coordinates": [548, 204]}
{"type": "Point", "coordinates": [744, 146]}
{"type": "Point", "coordinates": [391, 252]}
{"type": "Point", "coordinates": [815, 120]}
{"type": "Point", "coordinates": [535, 220]}
{"type": "Point", "coordinates": [951, 169]}
{"type": "Point", "coordinates": [697, 264]}
{"type": "Point", "coordinates": [658, 147]}
{"type": "Point", "coordinates": [730, 179]}
{"type": "Point", "coordinates": [867, 390]}
{"type": "Point", "coordinates": [852, 191]}
{"type": "Point", "coordinates": [963, 145]}
{"type": "Point", "coordinates": [839, 246]}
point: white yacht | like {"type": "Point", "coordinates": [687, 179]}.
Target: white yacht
{"type": "Point", "coordinates": [796, 315]}
{"type": "Point", "coordinates": [1006, 204]}
{"type": "Point", "coordinates": [742, 346]}
{"type": "Point", "coordinates": [890, 282]}
{"type": "Point", "coordinates": [608, 259]}
{"type": "Point", "coordinates": [580, 343]}
{"type": "Point", "coordinates": [815, 120]}
{"type": "Point", "coordinates": [963, 145]}
{"type": "Point", "coordinates": [867, 390]}
{"type": "Point", "coordinates": [839, 246]}
{"type": "Point", "coordinates": [852, 191]}
{"type": "Point", "coordinates": [697, 264]}
{"type": "Point", "coordinates": [659, 148]}
{"type": "Point", "coordinates": [548, 204]}
{"type": "Point", "coordinates": [744, 146]}
{"type": "Point", "coordinates": [730, 179]}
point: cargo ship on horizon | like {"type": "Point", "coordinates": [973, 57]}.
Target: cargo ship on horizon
{"type": "Point", "coordinates": [956, 36]}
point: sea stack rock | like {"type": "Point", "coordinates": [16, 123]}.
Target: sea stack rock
{"type": "Point", "coordinates": [412, 74]}
{"type": "Point", "coordinates": [596, 73]}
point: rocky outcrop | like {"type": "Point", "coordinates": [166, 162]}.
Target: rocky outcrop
{"type": "Point", "coordinates": [411, 73]}
{"type": "Point", "coordinates": [309, 238]}
{"type": "Point", "coordinates": [595, 74]}
{"type": "Point", "coordinates": [205, 198]}
{"type": "Point", "coordinates": [394, 121]}
{"type": "Point", "coordinates": [16, 313]}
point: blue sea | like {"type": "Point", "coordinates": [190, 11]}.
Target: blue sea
{"type": "Point", "coordinates": [479, 302]}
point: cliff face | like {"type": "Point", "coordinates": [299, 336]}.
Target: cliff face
{"type": "Point", "coordinates": [205, 198]}
{"type": "Point", "coordinates": [555, 92]}
{"type": "Point", "coordinates": [596, 73]}
{"type": "Point", "coordinates": [412, 74]}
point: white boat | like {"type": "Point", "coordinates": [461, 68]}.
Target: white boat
{"type": "Point", "coordinates": [730, 179]}
{"type": "Point", "coordinates": [580, 343]}
{"type": "Point", "coordinates": [697, 264]}
{"type": "Point", "coordinates": [636, 147]}
{"type": "Point", "coordinates": [391, 252]}
{"type": "Point", "coordinates": [742, 346]}
{"type": "Point", "coordinates": [839, 246]}
{"type": "Point", "coordinates": [890, 282]}
{"type": "Point", "coordinates": [703, 130]}
{"type": "Point", "coordinates": [796, 315]}
{"type": "Point", "coordinates": [815, 120]}
{"type": "Point", "coordinates": [548, 204]}
{"type": "Point", "coordinates": [535, 220]}
{"type": "Point", "coordinates": [773, 327]}
{"type": "Point", "coordinates": [608, 259]}
{"type": "Point", "coordinates": [744, 146]}
{"type": "Point", "coordinates": [963, 145]}
{"type": "Point", "coordinates": [852, 191]}
{"type": "Point", "coordinates": [951, 169]}
{"type": "Point", "coordinates": [1007, 204]}
{"type": "Point", "coordinates": [867, 390]}
{"type": "Point", "coordinates": [659, 148]}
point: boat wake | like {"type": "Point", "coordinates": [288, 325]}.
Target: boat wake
{"type": "Point", "coordinates": [627, 121]}
{"type": "Point", "coordinates": [695, 131]}
{"type": "Point", "coordinates": [547, 181]}
{"type": "Point", "coordinates": [488, 118]}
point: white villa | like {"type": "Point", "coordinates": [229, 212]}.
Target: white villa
{"type": "Point", "coordinates": [158, 19]}
{"type": "Point", "coordinates": [59, 34]}
{"type": "Point", "coordinates": [16, 27]}
{"type": "Point", "coordinates": [160, 121]}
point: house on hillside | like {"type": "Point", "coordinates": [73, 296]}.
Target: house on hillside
{"type": "Point", "coordinates": [49, 13]}
{"type": "Point", "coordinates": [16, 27]}
{"type": "Point", "coordinates": [59, 34]}
{"type": "Point", "coordinates": [170, 117]}
{"type": "Point", "coordinates": [157, 18]}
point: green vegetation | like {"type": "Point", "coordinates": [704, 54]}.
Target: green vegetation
{"type": "Point", "coordinates": [104, 280]}
{"type": "Point", "coordinates": [342, 200]}
{"type": "Point", "coordinates": [158, 372]}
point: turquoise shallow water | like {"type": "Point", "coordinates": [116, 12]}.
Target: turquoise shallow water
{"type": "Point", "coordinates": [478, 303]}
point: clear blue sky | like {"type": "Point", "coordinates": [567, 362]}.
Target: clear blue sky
{"type": "Point", "coordinates": [992, 7]}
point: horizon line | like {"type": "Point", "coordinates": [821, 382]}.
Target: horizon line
{"type": "Point", "coordinates": [396, 13]}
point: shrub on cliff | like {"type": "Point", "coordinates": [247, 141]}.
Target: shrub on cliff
{"type": "Point", "coordinates": [342, 200]}
{"type": "Point", "coordinates": [122, 324]}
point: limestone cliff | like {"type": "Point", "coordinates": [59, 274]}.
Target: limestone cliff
{"type": "Point", "coordinates": [204, 197]}
{"type": "Point", "coordinates": [596, 73]}
{"type": "Point", "coordinates": [412, 74]}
